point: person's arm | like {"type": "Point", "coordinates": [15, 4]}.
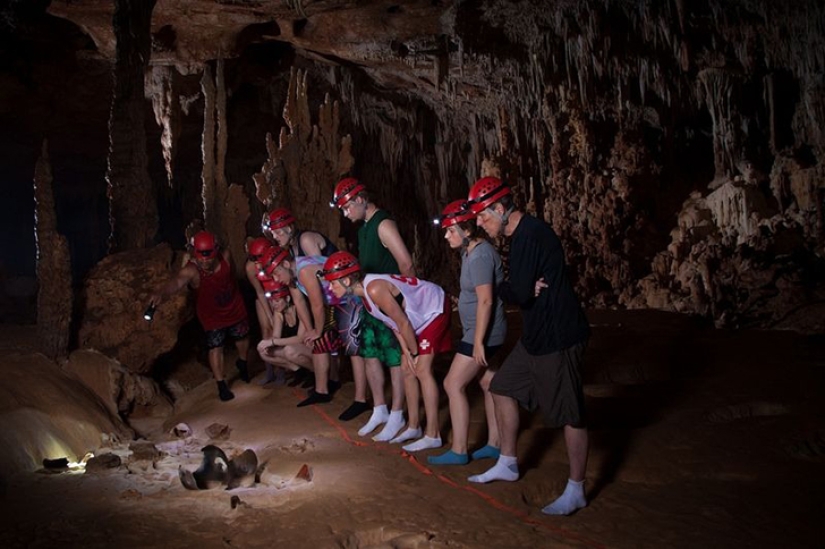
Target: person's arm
{"type": "Point", "coordinates": [186, 275]}
{"type": "Point", "coordinates": [316, 298]}
{"type": "Point", "coordinates": [252, 276]}
{"type": "Point", "coordinates": [391, 239]}
{"type": "Point", "coordinates": [520, 288]}
{"type": "Point", "coordinates": [311, 242]}
{"type": "Point", "coordinates": [301, 308]}
{"type": "Point", "coordinates": [277, 327]}
{"type": "Point", "coordinates": [484, 311]}
{"type": "Point", "coordinates": [381, 295]}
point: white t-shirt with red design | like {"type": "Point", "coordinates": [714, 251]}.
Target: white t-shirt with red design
{"type": "Point", "coordinates": [423, 301]}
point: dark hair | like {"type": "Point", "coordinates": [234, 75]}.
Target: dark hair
{"type": "Point", "coordinates": [470, 227]}
{"type": "Point", "coordinates": [506, 201]}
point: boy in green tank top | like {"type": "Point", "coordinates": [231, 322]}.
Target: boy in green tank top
{"type": "Point", "coordinates": [381, 250]}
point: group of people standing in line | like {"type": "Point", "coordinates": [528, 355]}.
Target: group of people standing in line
{"type": "Point", "coordinates": [315, 303]}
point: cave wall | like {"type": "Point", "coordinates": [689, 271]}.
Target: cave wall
{"type": "Point", "coordinates": [675, 147]}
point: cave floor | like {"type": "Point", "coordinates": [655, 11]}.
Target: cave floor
{"type": "Point", "coordinates": [699, 438]}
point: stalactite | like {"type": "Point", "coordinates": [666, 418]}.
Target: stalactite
{"type": "Point", "coordinates": [167, 110]}
{"type": "Point", "coordinates": [302, 169]}
{"type": "Point", "coordinates": [54, 275]}
{"type": "Point", "coordinates": [208, 172]}
{"type": "Point", "coordinates": [717, 89]}
{"type": "Point", "coordinates": [133, 211]}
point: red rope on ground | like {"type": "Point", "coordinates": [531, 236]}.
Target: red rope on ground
{"type": "Point", "coordinates": [521, 515]}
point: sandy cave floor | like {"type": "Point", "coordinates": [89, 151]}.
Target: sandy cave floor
{"type": "Point", "coordinates": [699, 438]}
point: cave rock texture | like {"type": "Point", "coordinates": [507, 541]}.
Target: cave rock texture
{"type": "Point", "coordinates": [676, 147]}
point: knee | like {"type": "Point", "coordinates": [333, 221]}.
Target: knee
{"type": "Point", "coordinates": [452, 386]}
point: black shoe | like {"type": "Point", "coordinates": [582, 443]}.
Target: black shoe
{"type": "Point", "coordinates": [315, 398]}
{"type": "Point", "coordinates": [223, 391]}
{"type": "Point", "coordinates": [333, 386]}
{"type": "Point", "coordinates": [355, 409]}
{"type": "Point", "coordinates": [242, 370]}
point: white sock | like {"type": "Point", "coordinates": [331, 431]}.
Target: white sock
{"type": "Point", "coordinates": [506, 468]}
{"type": "Point", "coordinates": [394, 424]}
{"type": "Point", "coordinates": [571, 500]}
{"type": "Point", "coordinates": [379, 416]}
{"type": "Point", "coordinates": [423, 444]}
{"type": "Point", "coordinates": [409, 434]}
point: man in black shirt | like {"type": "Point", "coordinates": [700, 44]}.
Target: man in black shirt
{"type": "Point", "coordinates": [544, 368]}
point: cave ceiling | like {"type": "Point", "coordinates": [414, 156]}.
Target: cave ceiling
{"type": "Point", "coordinates": [676, 147]}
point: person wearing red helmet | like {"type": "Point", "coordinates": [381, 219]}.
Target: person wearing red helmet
{"type": "Point", "coordinates": [484, 327]}
{"type": "Point", "coordinates": [256, 249]}
{"type": "Point", "coordinates": [418, 312]}
{"type": "Point", "coordinates": [280, 225]}
{"type": "Point", "coordinates": [218, 304]}
{"type": "Point", "coordinates": [332, 322]}
{"type": "Point", "coordinates": [545, 367]}
{"type": "Point", "coordinates": [283, 347]}
{"type": "Point", "coordinates": [381, 250]}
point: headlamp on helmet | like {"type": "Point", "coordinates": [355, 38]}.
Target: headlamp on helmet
{"type": "Point", "coordinates": [345, 190]}
{"type": "Point", "coordinates": [455, 212]}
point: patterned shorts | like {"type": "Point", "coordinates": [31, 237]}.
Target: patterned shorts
{"type": "Point", "coordinates": [217, 338]}
{"type": "Point", "coordinates": [378, 341]}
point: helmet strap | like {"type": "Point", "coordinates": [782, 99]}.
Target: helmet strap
{"type": "Point", "coordinates": [505, 219]}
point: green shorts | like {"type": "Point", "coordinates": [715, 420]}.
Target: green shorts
{"type": "Point", "coordinates": [378, 341]}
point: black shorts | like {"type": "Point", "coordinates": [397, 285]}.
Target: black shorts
{"type": "Point", "coordinates": [466, 349]}
{"type": "Point", "coordinates": [216, 338]}
{"type": "Point", "coordinates": [553, 382]}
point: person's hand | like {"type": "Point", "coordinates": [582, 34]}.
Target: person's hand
{"type": "Point", "coordinates": [540, 285]}
{"type": "Point", "coordinates": [479, 355]}
{"type": "Point", "coordinates": [412, 360]}
{"type": "Point", "coordinates": [310, 337]}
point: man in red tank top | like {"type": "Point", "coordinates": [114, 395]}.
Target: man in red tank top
{"type": "Point", "coordinates": [219, 305]}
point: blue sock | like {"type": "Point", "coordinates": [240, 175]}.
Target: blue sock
{"type": "Point", "coordinates": [449, 458]}
{"type": "Point", "coordinates": [486, 452]}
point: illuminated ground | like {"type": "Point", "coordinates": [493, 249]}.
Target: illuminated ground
{"type": "Point", "coordinates": [699, 438]}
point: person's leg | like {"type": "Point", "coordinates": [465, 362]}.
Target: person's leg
{"type": "Point", "coordinates": [411, 389]}
{"type": "Point", "coordinates": [506, 468]}
{"type": "Point", "coordinates": [577, 443]}
{"type": "Point", "coordinates": [242, 345]}
{"type": "Point", "coordinates": [375, 380]}
{"type": "Point", "coordinates": [359, 404]}
{"type": "Point", "coordinates": [573, 498]}
{"type": "Point", "coordinates": [320, 364]}
{"type": "Point", "coordinates": [216, 363]}
{"type": "Point", "coordinates": [380, 414]}
{"type": "Point", "coordinates": [462, 370]}
{"type": "Point", "coordinates": [215, 357]}
{"type": "Point", "coordinates": [493, 440]}
{"type": "Point", "coordinates": [429, 391]}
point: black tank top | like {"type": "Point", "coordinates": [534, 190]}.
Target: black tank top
{"type": "Point", "coordinates": [289, 331]}
{"type": "Point", "coordinates": [328, 249]}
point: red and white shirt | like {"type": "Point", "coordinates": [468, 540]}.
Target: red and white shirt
{"type": "Point", "coordinates": [423, 301]}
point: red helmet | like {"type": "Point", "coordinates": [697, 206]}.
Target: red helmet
{"type": "Point", "coordinates": [339, 265]}
{"type": "Point", "coordinates": [345, 190]}
{"type": "Point", "coordinates": [257, 248]}
{"type": "Point", "coordinates": [455, 212]}
{"type": "Point", "coordinates": [203, 244]}
{"type": "Point", "coordinates": [274, 289]}
{"type": "Point", "coordinates": [277, 219]}
{"type": "Point", "coordinates": [272, 258]}
{"type": "Point", "coordinates": [485, 192]}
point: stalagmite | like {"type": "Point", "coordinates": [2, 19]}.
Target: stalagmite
{"type": "Point", "coordinates": [54, 275]}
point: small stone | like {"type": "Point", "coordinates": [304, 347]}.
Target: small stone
{"type": "Point", "coordinates": [218, 431]}
{"type": "Point", "coordinates": [305, 473]}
